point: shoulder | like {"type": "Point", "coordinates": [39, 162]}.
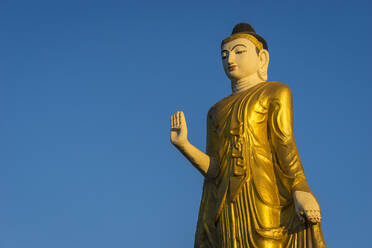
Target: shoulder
{"type": "Point", "coordinates": [211, 111]}
{"type": "Point", "coordinates": [277, 91]}
{"type": "Point", "coordinates": [277, 88]}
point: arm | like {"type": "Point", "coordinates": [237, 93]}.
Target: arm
{"type": "Point", "coordinates": [207, 165]}
{"type": "Point", "coordinates": [282, 138]}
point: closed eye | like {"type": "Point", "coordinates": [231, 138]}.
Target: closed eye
{"type": "Point", "coordinates": [240, 51]}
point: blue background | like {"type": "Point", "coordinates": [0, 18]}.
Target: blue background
{"type": "Point", "coordinates": [87, 89]}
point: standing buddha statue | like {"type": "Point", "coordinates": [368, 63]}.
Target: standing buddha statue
{"type": "Point", "coordinates": [255, 193]}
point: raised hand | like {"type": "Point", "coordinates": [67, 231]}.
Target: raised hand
{"type": "Point", "coordinates": [307, 207]}
{"type": "Point", "coordinates": [178, 133]}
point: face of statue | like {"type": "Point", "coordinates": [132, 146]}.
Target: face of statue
{"type": "Point", "coordinates": [240, 59]}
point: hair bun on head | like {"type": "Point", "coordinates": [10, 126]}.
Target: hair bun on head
{"type": "Point", "coordinates": [245, 28]}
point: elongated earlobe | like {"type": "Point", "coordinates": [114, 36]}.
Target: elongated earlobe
{"type": "Point", "coordinates": [264, 64]}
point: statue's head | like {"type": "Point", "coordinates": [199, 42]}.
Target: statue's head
{"type": "Point", "coordinates": [245, 54]}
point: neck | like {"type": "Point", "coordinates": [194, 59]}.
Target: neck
{"type": "Point", "coordinates": [244, 84]}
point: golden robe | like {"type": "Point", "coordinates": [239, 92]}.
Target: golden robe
{"type": "Point", "coordinates": [250, 202]}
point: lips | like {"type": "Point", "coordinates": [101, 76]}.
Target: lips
{"type": "Point", "coordinates": [232, 67]}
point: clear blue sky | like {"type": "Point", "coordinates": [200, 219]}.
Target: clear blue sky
{"type": "Point", "coordinates": [87, 88]}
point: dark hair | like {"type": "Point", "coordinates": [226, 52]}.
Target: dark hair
{"type": "Point", "coordinates": [246, 28]}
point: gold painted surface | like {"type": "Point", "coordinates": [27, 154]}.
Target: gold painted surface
{"type": "Point", "coordinates": [250, 202]}
{"type": "Point", "coordinates": [253, 39]}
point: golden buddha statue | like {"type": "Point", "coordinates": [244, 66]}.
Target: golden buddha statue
{"type": "Point", "coordinates": [255, 192]}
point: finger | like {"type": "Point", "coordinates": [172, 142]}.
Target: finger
{"type": "Point", "coordinates": [315, 213]}
{"type": "Point", "coordinates": [318, 216]}
{"type": "Point", "coordinates": [312, 216]}
{"type": "Point", "coordinates": [179, 119]}
{"type": "Point", "coordinates": [183, 120]}
{"type": "Point", "coordinates": [307, 214]}
{"type": "Point", "coordinates": [174, 121]}
{"type": "Point", "coordinates": [171, 121]}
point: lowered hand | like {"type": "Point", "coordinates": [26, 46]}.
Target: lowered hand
{"type": "Point", "coordinates": [307, 207]}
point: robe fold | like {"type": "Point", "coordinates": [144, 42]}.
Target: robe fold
{"type": "Point", "coordinates": [250, 202]}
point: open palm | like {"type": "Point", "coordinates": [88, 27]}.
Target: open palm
{"type": "Point", "coordinates": [178, 134]}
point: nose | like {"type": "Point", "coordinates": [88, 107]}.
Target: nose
{"type": "Point", "coordinates": [230, 58]}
